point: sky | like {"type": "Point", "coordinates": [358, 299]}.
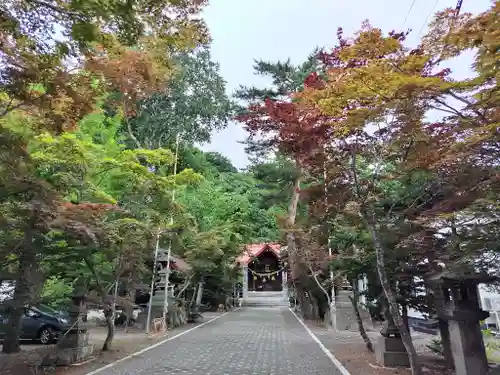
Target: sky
{"type": "Point", "coordinates": [245, 30]}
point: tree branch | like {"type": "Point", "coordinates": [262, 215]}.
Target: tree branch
{"type": "Point", "coordinates": [355, 174]}
{"type": "Point", "coordinates": [186, 284]}
{"type": "Point", "coordinates": [452, 109]}
{"type": "Point", "coordinates": [465, 101]}
{"type": "Point", "coordinates": [319, 284]}
{"type": "Point", "coordinates": [91, 267]}
{"type": "Point", "coordinates": [129, 128]}
{"type": "Point", "coordinates": [11, 107]}
{"type": "Point", "coordinates": [63, 12]}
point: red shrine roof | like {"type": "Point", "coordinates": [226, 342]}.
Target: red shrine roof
{"type": "Point", "coordinates": [254, 250]}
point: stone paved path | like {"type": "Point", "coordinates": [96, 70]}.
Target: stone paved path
{"type": "Point", "coordinates": [250, 341]}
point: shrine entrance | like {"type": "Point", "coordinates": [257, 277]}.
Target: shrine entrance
{"type": "Point", "coordinates": [264, 272]}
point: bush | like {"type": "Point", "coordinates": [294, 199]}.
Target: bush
{"type": "Point", "coordinates": [436, 346]}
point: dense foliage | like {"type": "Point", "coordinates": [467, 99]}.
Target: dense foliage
{"type": "Point", "coordinates": [89, 121]}
{"type": "Point", "coordinates": [401, 159]}
{"type": "Point", "coordinates": [369, 160]}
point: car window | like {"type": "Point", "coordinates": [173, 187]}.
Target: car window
{"type": "Point", "coordinates": [3, 318]}
{"type": "Point", "coordinates": [30, 313]}
{"type": "Point", "coordinates": [47, 309]}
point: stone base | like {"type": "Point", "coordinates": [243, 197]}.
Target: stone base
{"type": "Point", "coordinates": [68, 356]}
{"type": "Point", "coordinates": [390, 352]}
{"type": "Point", "coordinates": [467, 347]}
{"type": "Point", "coordinates": [72, 348]}
{"type": "Point", "coordinates": [73, 339]}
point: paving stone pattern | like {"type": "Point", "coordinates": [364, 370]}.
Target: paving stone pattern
{"type": "Point", "coordinates": [250, 341]}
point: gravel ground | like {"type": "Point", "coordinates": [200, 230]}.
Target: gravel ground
{"type": "Point", "coordinates": [350, 350]}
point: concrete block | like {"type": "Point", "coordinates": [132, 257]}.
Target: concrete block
{"type": "Point", "coordinates": [68, 356]}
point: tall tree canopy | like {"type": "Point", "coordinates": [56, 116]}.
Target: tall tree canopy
{"type": "Point", "coordinates": [69, 186]}
{"type": "Point", "coordinates": [415, 189]}
{"type": "Point", "coordinates": [194, 105]}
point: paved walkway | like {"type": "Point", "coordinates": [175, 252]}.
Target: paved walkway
{"type": "Point", "coordinates": [249, 341]}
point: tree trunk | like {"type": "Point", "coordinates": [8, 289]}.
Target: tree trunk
{"type": "Point", "coordinates": [307, 310]}
{"type": "Point", "coordinates": [11, 343]}
{"type": "Point", "coordinates": [130, 131]}
{"type": "Point", "coordinates": [193, 296]}
{"type": "Point", "coordinates": [187, 282]}
{"type": "Point", "coordinates": [109, 307]}
{"type": "Point", "coordinates": [362, 331]}
{"type": "Point", "coordinates": [27, 270]}
{"type": "Point", "coordinates": [404, 310]}
{"type": "Point", "coordinates": [110, 324]}
{"type": "Point", "coordinates": [302, 302]}
{"type": "Point", "coordinates": [389, 294]}
{"type": "Point", "coordinates": [227, 303]}
{"type": "Point", "coordinates": [290, 236]}
{"type": "Point", "coordinates": [199, 295]}
{"type": "Point", "coordinates": [309, 306]}
{"type": "Point", "coordinates": [328, 298]}
{"type": "Point", "coordinates": [327, 319]}
{"type": "Point", "coordinates": [314, 308]}
{"type": "Point", "coordinates": [130, 292]}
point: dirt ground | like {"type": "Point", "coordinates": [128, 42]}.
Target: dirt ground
{"type": "Point", "coordinates": [350, 350]}
{"type": "Point", "coordinates": [27, 362]}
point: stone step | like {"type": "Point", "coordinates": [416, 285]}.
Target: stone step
{"type": "Point", "coordinates": [265, 294]}
{"type": "Point", "coordinates": [263, 303]}
{"type": "Point", "coordinates": [266, 299]}
{"type": "Point", "coordinates": [277, 298]}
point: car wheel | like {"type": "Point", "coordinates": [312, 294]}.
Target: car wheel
{"type": "Point", "coordinates": [46, 336]}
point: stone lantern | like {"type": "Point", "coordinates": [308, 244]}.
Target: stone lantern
{"type": "Point", "coordinates": [74, 344]}
{"type": "Point", "coordinates": [462, 311]}
{"type": "Point", "coordinates": [389, 348]}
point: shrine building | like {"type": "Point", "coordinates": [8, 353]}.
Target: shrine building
{"type": "Point", "coordinates": [262, 269]}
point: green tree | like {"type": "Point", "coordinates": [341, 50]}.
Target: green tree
{"type": "Point", "coordinates": [195, 104]}
{"type": "Point", "coordinates": [267, 131]}
{"type": "Point", "coordinates": [89, 179]}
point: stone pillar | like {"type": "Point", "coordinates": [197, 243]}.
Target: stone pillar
{"type": "Point", "coordinates": [244, 268]}
{"type": "Point", "coordinates": [464, 314]}
{"type": "Point", "coordinates": [462, 311]}
{"type": "Point", "coordinates": [73, 344]}
{"type": "Point", "coordinates": [467, 348]}
{"type": "Point", "coordinates": [440, 296]}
